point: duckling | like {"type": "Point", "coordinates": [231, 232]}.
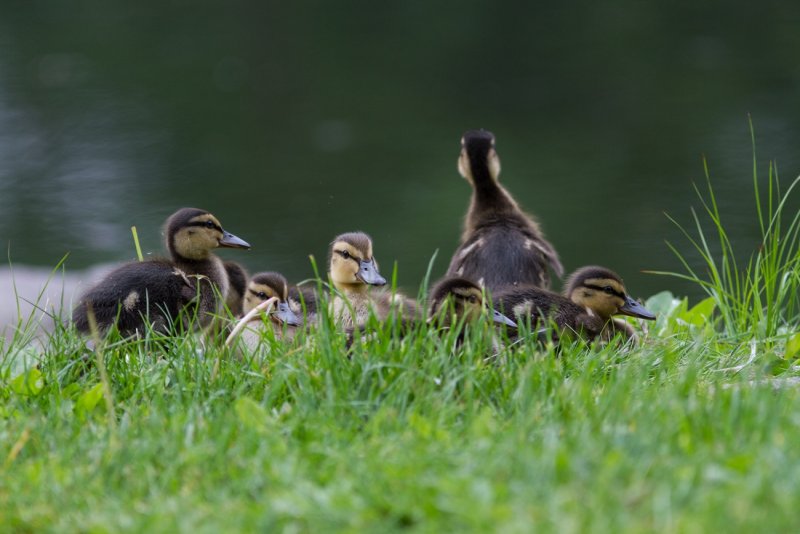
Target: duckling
{"type": "Point", "coordinates": [455, 298]}
{"type": "Point", "coordinates": [353, 269]}
{"type": "Point", "coordinates": [591, 297]}
{"type": "Point", "coordinates": [262, 287]}
{"type": "Point", "coordinates": [501, 245]}
{"type": "Point", "coordinates": [237, 283]}
{"type": "Point", "coordinates": [157, 292]}
{"type": "Point", "coordinates": [451, 300]}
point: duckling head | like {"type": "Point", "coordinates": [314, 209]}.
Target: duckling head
{"type": "Point", "coordinates": [602, 291]}
{"type": "Point", "coordinates": [264, 286]}
{"type": "Point", "coordinates": [478, 160]}
{"type": "Point", "coordinates": [458, 297]}
{"type": "Point", "coordinates": [352, 264]}
{"type": "Point", "coordinates": [193, 233]}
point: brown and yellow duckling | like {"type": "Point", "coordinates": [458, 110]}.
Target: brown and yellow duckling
{"type": "Point", "coordinates": [452, 302]}
{"type": "Point", "coordinates": [455, 299]}
{"type": "Point", "coordinates": [353, 270]}
{"type": "Point", "coordinates": [261, 288]}
{"type": "Point", "coordinates": [501, 245]}
{"type": "Point", "coordinates": [592, 296]}
{"type": "Point", "coordinates": [192, 283]}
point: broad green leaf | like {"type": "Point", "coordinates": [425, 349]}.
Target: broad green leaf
{"type": "Point", "coordinates": [28, 383]}
{"type": "Point", "coordinates": [89, 399]}
{"type": "Point", "coordinates": [700, 313]}
{"type": "Point", "coordinates": [793, 347]}
{"type": "Point", "coordinates": [662, 303]}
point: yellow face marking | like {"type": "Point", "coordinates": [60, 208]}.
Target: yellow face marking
{"type": "Point", "coordinates": [596, 300]}
{"type": "Point", "coordinates": [603, 282]}
{"type": "Point", "coordinates": [343, 269]}
{"type": "Point", "coordinates": [258, 293]}
{"type": "Point", "coordinates": [195, 241]}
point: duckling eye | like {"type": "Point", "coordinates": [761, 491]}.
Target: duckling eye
{"type": "Point", "coordinates": [609, 290]}
{"type": "Point", "coordinates": [261, 295]}
{"type": "Point", "coordinates": [210, 224]}
{"type": "Point", "coordinates": [473, 299]}
{"type": "Point", "coordinates": [345, 254]}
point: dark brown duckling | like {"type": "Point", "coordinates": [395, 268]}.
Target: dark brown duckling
{"type": "Point", "coordinates": [591, 297]}
{"type": "Point", "coordinates": [501, 245]}
{"type": "Point", "coordinates": [282, 320]}
{"type": "Point", "coordinates": [454, 299]}
{"type": "Point", "coordinates": [193, 283]}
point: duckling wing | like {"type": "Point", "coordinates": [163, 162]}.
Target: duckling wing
{"type": "Point", "coordinates": [539, 306]}
{"type": "Point", "coordinates": [503, 255]}
{"type": "Point", "coordinates": [131, 293]}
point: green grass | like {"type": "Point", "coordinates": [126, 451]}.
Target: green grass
{"type": "Point", "coordinates": [695, 430]}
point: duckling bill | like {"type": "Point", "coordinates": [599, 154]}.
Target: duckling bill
{"type": "Point", "coordinates": [188, 287]}
{"type": "Point", "coordinates": [501, 245]}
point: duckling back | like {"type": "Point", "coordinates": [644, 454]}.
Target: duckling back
{"type": "Point", "coordinates": [501, 245]}
{"type": "Point", "coordinates": [540, 307]}
{"type": "Point", "coordinates": [190, 288]}
{"type": "Point", "coordinates": [153, 292]}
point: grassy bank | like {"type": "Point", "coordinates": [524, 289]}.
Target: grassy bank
{"type": "Point", "coordinates": [694, 430]}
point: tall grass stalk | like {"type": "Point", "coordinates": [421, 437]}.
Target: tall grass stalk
{"type": "Point", "coordinates": [760, 297]}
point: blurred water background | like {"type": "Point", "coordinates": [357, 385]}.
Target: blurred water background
{"type": "Point", "coordinates": [293, 122]}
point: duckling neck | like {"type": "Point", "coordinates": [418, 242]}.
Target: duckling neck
{"type": "Point", "coordinates": [351, 289]}
{"type": "Point", "coordinates": [488, 197]}
{"type": "Point", "coordinates": [211, 267]}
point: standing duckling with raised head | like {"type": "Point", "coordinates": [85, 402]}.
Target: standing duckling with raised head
{"type": "Point", "coordinates": [501, 245]}
{"type": "Point", "coordinates": [192, 283]}
{"type": "Point", "coordinates": [591, 297]}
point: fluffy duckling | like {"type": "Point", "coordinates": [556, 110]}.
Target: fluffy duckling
{"type": "Point", "coordinates": [455, 298]}
{"type": "Point", "coordinates": [501, 245]}
{"type": "Point", "coordinates": [262, 287]}
{"type": "Point", "coordinates": [451, 301]}
{"type": "Point", "coordinates": [591, 297]}
{"type": "Point", "coordinates": [193, 282]}
{"type": "Point", "coordinates": [352, 271]}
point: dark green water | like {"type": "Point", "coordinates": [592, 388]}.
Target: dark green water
{"type": "Point", "coordinates": [293, 124]}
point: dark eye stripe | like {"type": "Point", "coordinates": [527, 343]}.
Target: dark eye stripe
{"type": "Point", "coordinates": [598, 288]}
{"type": "Point", "coordinates": [204, 225]}
{"type": "Point", "coordinates": [346, 255]}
